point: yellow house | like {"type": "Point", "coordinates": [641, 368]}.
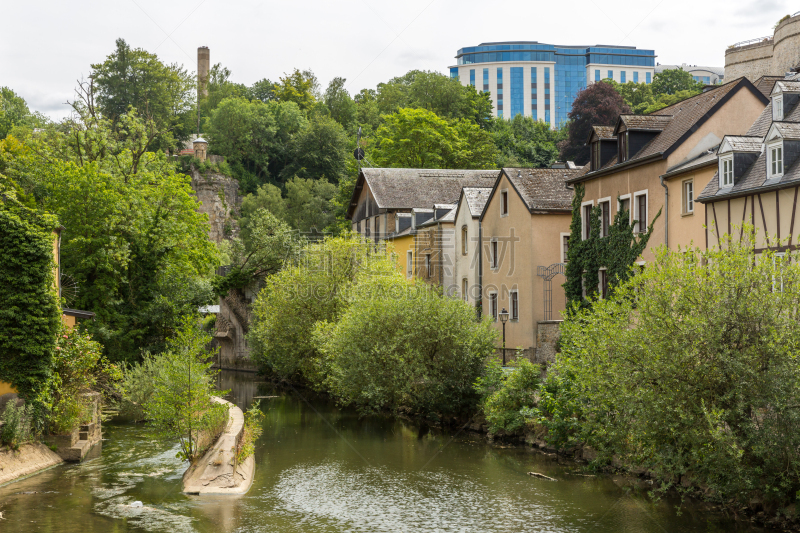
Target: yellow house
{"type": "Point", "coordinates": [404, 251]}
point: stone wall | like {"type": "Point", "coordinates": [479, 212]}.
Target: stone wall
{"type": "Point", "coordinates": [230, 331]}
{"type": "Point", "coordinates": [220, 200]}
{"type": "Point", "coordinates": [773, 56]}
{"type": "Point", "coordinates": [547, 335]}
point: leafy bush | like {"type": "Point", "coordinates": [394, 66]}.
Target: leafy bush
{"type": "Point", "coordinates": [402, 347]}
{"type": "Point", "coordinates": [690, 369]}
{"type": "Point", "coordinates": [253, 427]}
{"type": "Point", "coordinates": [508, 397]}
{"type": "Point", "coordinates": [16, 428]}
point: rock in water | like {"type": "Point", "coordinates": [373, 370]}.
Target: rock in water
{"type": "Point", "coordinates": [137, 504]}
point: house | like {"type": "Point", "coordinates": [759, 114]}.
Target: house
{"type": "Point", "coordinates": [757, 176]}
{"type": "Point", "coordinates": [658, 162]}
{"type": "Point", "coordinates": [524, 228]}
{"type": "Point", "coordinates": [434, 249]}
{"type": "Point", "coordinates": [467, 238]}
{"type": "Point", "coordinates": [384, 198]}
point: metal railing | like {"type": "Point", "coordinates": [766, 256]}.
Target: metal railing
{"type": "Point", "coordinates": [752, 41]}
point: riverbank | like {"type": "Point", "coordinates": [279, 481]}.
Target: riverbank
{"type": "Point", "coordinates": [30, 459]}
{"type": "Point", "coordinates": [218, 472]}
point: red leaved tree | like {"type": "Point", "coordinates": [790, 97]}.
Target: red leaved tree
{"type": "Point", "coordinates": [597, 105]}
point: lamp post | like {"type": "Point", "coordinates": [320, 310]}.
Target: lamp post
{"type": "Point", "coordinates": [503, 319]}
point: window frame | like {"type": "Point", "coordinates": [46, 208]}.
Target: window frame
{"type": "Point", "coordinates": [494, 252]}
{"type": "Point", "coordinates": [428, 265]}
{"type": "Point", "coordinates": [620, 199]}
{"type": "Point", "coordinates": [605, 228]}
{"type": "Point", "coordinates": [564, 246]}
{"type": "Point", "coordinates": [687, 203]}
{"type": "Point", "coordinates": [465, 289]}
{"type": "Point", "coordinates": [635, 201]}
{"type": "Point", "coordinates": [771, 162]}
{"type": "Point", "coordinates": [503, 203]}
{"type": "Point", "coordinates": [622, 143]}
{"type": "Point", "coordinates": [409, 264]}
{"type": "Point", "coordinates": [777, 108]}
{"type": "Point", "coordinates": [586, 231]}
{"type": "Point", "coordinates": [464, 238]}
{"type": "Point", "coordinates": [513, 301]}
{"type": "Point", "coordinates": [596, 155]}
{"type": "Point", "coordinates": [493, 307]}
{"type": "Point", "coordinates": [723, 160]}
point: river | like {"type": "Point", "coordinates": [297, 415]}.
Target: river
{"type": "Point", "coordinates": [322, 469]}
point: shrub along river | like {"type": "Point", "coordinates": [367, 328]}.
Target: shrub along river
{"type": "Point", "coordinates": [322, 469]}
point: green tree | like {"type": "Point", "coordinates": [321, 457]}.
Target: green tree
{"type": "Point", "coordinates": [13, 111]}
{"type": "Point", "coordinates": [132, 77]}
{"type": "Point", "coordinates": [689, 370]}
{"type": "Point", "coordinates": [672, 81]}
{"type": "Point", "coordinates": [263, 90]}
{"type": "Point", "coordinates": [308, 204]}
{"type": "Point", "coordinates": [181, 406]}
{"type": "Point", "coordinates": [368, 115]}
{"type": "Point", "coordinates": [438, 93]}
{"type": "Point", "coordinates": [220, 88]}
{"type": "Point", "coordinates": [416, 138]}
{"type": "Point", "coordinates": [297, 87]}
{"type": "Point", "coordinates": [341, 106]}
{"type": "Point", "coordinates": [266, 197]}
{"type": "Point", "coordinates": [525, 142]}
{"type": "Point", "coordinates": [319, 151]}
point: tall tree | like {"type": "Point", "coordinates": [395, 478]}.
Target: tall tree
{"type": "Point", "coordinates": [298, 87]}
{"type": "Point", "coordinates": [525, 142]}
{"type": "Point", "coordinates": [672, 81]}
{"type": "Point", "coordinates": [13, 111]}
{"type": "Point", "coordinates": [342, 108]}
{"type": "Point", "coordinates": [597, 105]}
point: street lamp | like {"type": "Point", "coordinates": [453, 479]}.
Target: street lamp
{"type": "Point", "coordinates": [503, 319]}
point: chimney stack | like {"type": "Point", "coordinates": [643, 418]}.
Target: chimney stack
{"type": "Point", "coordinates": [203, 67]}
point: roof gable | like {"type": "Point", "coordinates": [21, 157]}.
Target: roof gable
{"type": "Point", "coordinates": [540, 189]}
{"type": "Point", "coordinates": [642, 123]}
{"type": "Point", "coordinates": [740, 143]}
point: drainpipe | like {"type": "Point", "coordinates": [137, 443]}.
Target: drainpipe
{"type": "Point", "coordinates": [479, 309]}
{"type": "Point", "coordinates": [666, 211]}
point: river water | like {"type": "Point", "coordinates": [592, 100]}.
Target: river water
{"type": "Point", "coordinates": [322, 469]}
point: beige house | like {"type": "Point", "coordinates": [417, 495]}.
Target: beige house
{"type": "Point", "coordinates": [661, 161]}
{"type": "Point", "coordinates": [467, 236]}
{"type": "Point", "coordinates": [389, 200]}
{"type": "Point", "coordinates": [434, 249]}
{"type": "Point", "coordinates": [524, 229]}
{"type": "Point", "coordinates": [757, 177]}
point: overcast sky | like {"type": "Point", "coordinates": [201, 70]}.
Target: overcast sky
{"type": "Point", "coordinates": [46, 45]}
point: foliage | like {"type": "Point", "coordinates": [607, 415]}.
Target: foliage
{"type": "Point", "coordinates": [138, 384]}
{"type": "Point", "coordinates": [690, 370]}
{"type": "Point", "coordinates": [14, 112]}
{"type": "Point", "coordinates": [506, 397]}
{"type": "Point", "coordinates": [319, 151]}
{"type": "Point", "coordinates": [78, 368]}
{"type": "Point", "coordinates": [297, 87]}
{"type": "Point", "coordinates": [368, 114]}
{"type": "Point", "coordinates": [266, 246]}
{"type": "Point", "coordinates": [673, 81]}
{"type": "Point", "coordinates": [181, 406]}
{"type": "Point", "coordinates": [437, 93]}
{"type": "Point", "coordinates": [296, 298]}
{"type": "Point", "coordinates": [135, 78]}
{"type": "Point", "coordinates": [404, 348]}
{"type": "Point", "coordinates": [30, 315]}
{"type": "Point", "coordinates": [220, 88]}
{"type": "Point", "coordinates": [340, 105]}
{"type": "Point", "coordinates": [418, 138]}
{"type": "Point", "coordinates": [525, 142]}
{"type": "Point", "coordinates": [644, 98]}
{"type": "Point", "coordinates": [596, 105]}
{"type": "Point", "coordinates": [17, 424]}
{"type": "Point", "coordinates": [617, 252]}
{"type": "Point", "coordinates": [253, 427]}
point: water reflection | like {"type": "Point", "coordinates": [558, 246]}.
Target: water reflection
{"type": "Point", "coordinates": [322, 469]}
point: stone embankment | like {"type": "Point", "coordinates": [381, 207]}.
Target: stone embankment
{"type": "Point", "coordinates": [29, 459]}
{"type": "Point", "coordinates": [217, 472]}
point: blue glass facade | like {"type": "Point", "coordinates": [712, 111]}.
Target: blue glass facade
{"type": "Point", "coordinates": [454, 72]}
{"type": "Point", "coordinates": [704, 79]}
{"type": "Point", "coordinates": [499, 104]}
{"type": "Point", "coordinates": [569, 64]}
{"type": "Point", "coordinates": [622, 76]}
{"type": "Point", "coordinates": [635, 77]}
{"type": "Point", "coordinates": [648, 78]}
{"type": "Point", "coordinates": [517, 92]}
{"type": "Point", "coordinates": [472, 77]}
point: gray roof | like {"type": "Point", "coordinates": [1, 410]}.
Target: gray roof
{"type": "Point", "coordinates": [743, 143]}
{"type": "Point", "coordinates": [645, 122]}
{"type": "Point", "coordinates": [604, 132]}
{"type": "Point", "coordinates": [476, 198]}
{"type": "Point", "coordinates": [765, 84]}
{"type": "Point", "coordinates": [407, 188]}
{"type": "Point", "coordinates": [786, 86]}
{"type": "Point", "coordinates": [788, 130]}
{"type": "Point", "coordinates": [543, 188]}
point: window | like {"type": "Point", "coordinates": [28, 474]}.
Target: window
{"type": "Point", "coordinates": [500, 92]}
{"type": "Point", "coordinates": [776, 160]}
{"type": "Point", "coordinates": [623, 146]}
{"type": "Point", "coordinates": [534, 91]}
{"type": "Point", "coordinates": [622, 77]}
{"type": "Point", "coordinates": [640, 204]}
{"type": "Point", "coordinates": [377, 228]}
{"type": "Point", "coordinates": [503, 203]}
{"type": "Point", "coordinates": [635, 77]}
{"type": "Point", "coordinates": [493, 305]}
{"type": "Point", "coordinates": [648, 77]}
{"type": "Point", "coordinates": [514, 296]}
{"type": "Point", "coordinates": [465, 289]}
{"type": "Point", "coordinates": [494, 260]}
{"type": "Point", "coordinates": [597, 75]}
{"type": "Point", "coordinates": [596, 155]}
{"type": "Point", "coordinates": [625, 205]}
{"type": "Point", "coordinates": [777, 108]}
{"type": "Point", "coordinates": [688, 197]}
{"type": "Point", "coordinates": [605, 217]}
{"type": "Point", "coordinates": [603, 284]}
{"type": "Point", "coordinates": [610, 75]}
{"type": "Point", "coordinates": [358, 227]}
{"type": "Point", "coordinates": [587, 221]}
{"type": "Point", "coordinates": [454, 73]}
{"type": "Point", "coordinates": [409, 264]}
{"type": "Point", "coordinates": [486, 80]}
{"type": "Point", "coordinates": [726, 171]}
{"type": "Point", "coordinates": [517, 92]}
{"type": "Point", "coordinates": [472, 77]}
{"type": "Point", "coordinates": [428, 264]}
{"type": "Point", "coordinates": [565, 248]}
{"type": "Point", "coordinates": [547, 94]}
{"type": "Point", "coordinates": [464, 240]}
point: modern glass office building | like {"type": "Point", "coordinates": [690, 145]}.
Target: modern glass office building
{"type": "Point", "coordinates": [554, 74]}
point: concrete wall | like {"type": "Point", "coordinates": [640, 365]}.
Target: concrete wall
{"type": "Point", "coordinates": [774, 56]}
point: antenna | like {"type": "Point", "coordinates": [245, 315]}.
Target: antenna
{"type": "Point", "coordinates": [358, 153]}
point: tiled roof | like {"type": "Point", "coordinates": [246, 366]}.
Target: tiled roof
{"type": "Point", "coordinates": [761, 126]}
{"type": "Point", "coordinates": [645, 122]}
{"type": "Point", "coordinates": [787, 86]}
{"type": "Point", "coordinates": [406, 188]}
{"type": "Point", "coordinates": [765, 83]}
{"type": "Point", "coordinates": [742, 143]}
{"type": "Point", "coordinates": [543, 188]}
{"type": "Point", "coordinates": [603, 132]}
{"type": "Point", "coordinates": [788, 130]}
{"type": "Point", "coordinates": [476, 198]}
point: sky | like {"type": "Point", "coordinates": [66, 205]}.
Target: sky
{"type": "Point", "coordinates": [47, 45]}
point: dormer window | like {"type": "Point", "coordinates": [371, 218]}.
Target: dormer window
{"type": "Point", "coordinates": [596, 155]}
{"type": "Point", "coordinates": [726, 171]}
{"type": "Point", "coordinates": [623, 147]}
{"type": "Point", "coordinates": [775, 160]}
{"type": "Point", "coordinates": [777, 107]}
